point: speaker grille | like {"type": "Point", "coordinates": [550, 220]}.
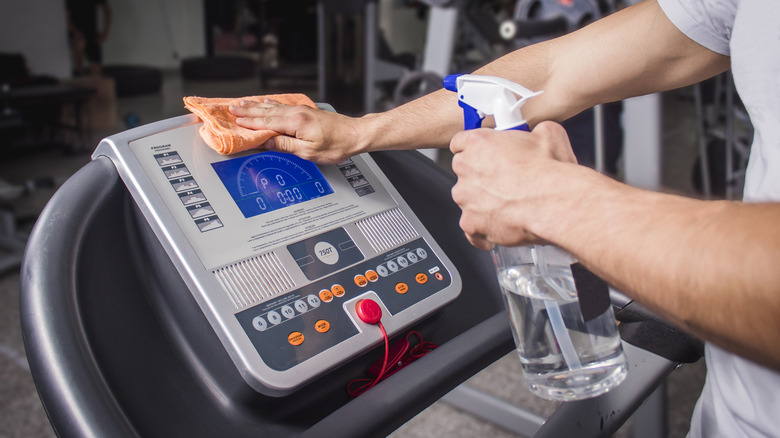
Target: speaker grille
{"type": "Point", "coordinates": [251, 281]}
{"type": "Point", "coordinates": [387, 230]}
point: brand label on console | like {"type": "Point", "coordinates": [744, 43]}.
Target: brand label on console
{"type": "Point", "coordinates": [324, 254]}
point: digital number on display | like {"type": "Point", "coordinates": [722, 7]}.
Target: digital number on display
{"type": "Point", "coordinates": [269, 181]}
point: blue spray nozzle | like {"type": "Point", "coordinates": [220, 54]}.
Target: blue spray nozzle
{"type": "Point", "coordinates": [451, 82]}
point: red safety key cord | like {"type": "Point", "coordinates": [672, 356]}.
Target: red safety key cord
{"type": "Point", "coordinates": [369, 312]}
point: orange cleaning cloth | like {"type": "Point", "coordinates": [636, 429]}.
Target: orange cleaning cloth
{"type": "Point", "coordinates": [220, 130]}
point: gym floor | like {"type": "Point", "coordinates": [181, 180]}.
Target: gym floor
{"type": "Point", "coordinates": [21, 413]}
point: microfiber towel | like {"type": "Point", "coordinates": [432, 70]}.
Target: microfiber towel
{"type": "Point", "coordinates": [220, 130]}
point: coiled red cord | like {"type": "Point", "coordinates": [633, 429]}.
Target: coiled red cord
{"type": "Point", "coordinates": [421, 349]}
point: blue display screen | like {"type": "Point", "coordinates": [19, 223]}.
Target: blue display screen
{"type": "Point", "coordinates": [270, 181]}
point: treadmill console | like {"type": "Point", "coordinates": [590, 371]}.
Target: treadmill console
{"type": "Point", "coordinates": [277, 250]}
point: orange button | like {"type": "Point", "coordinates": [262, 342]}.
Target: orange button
{"type": "Point", "coordinates": [401, 288]}
{"type": "Point", "coordinates": [295, 338]}
{"type": "Point", "coordinates": [421, 278]}
{"type": "Point", "coordinates": [439, 276]}
{"type": "Point", "coordinates": [337, 289]}
{"type": "Point", "coordinates": [361, 280]}
{"type": "Point", "coordinates": [322, 326]}
{"type": "Point", "coordinates": [326, 296]}
{"type": "Point", "coordinates": [372, 276]}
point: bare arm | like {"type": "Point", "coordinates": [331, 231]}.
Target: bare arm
{"type": "Point", "coordinates": [708, 266]}
{"type": "Point", "coordinates": [632, 52]}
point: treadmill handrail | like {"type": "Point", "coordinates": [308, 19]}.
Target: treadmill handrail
{"type": "Point", "coordinates": [91, 409]}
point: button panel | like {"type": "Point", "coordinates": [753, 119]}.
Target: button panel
{"type": "Point", "coordinates": [188, 191]}
{"type": "Point", "coordinates": [400, 278]}
{"type": "Point", "coordinates": [356, 179]}
{"type": "Point", "coordinates": [399, 263]}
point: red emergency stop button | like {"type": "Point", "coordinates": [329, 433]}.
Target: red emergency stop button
{"type": "Point", "coordinates": [368, 311]}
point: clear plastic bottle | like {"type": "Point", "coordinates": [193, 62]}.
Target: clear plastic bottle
{"type": "Point", "coordinates": [564, 358]}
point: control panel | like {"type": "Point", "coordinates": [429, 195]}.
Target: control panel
{"type": "Point", "coordinates": [277, 250]}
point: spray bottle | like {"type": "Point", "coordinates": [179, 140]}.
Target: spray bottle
{"type": "Point", "coordinates": [561, 318]}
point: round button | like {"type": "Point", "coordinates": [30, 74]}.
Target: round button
{"type": "Point", "coordinates": [326, 252]}
{"type": "Point", "coordinates": [401, 288]}
{"type": "Point", "coordinates": [259, 324]}
{"type": "Point", "coordinates": [412, 257]}
{"type": "Point", "coordinates": [421, 278]}
{"type": "Point", "coordinates": [301, 306]}
{"type": "Point", "coordinates": [402, 262]}
{"type": "Point", "coordinates": [361, 280]}
{"type": "Point", "coordinates": [288, 312]}
{"type": "Point", "coordinates": [382, 270]}
{"type": "Point", "coordinates": [422, 254]}
{"type": "Point", "coordinates": [295, 338]}
{"type": "Point", "coordinates": [372, 276]}
{"type": "Point", "coordinates": [392, 266]}
{"type": "Point", "coordinates": [368, 311]}
{"type": "Point", "coordinates": [439, 276]}
{"type": "Point", "coordinates": [337, 290]}
{"type": "Point", "coordinates": [326, 296]}
{"type": "Point", "coordinates": [322, 326]}
{"type": "Point", "coordinates": [314, 301]}
{"type": "Point", "coordinates": [273, 317]}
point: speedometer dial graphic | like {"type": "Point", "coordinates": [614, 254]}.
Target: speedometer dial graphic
{"type": "Point", "coordinates": [269, 181]}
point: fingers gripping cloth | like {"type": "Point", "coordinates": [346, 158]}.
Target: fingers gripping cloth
{"type": "Point", "coordinates": [220, 130]}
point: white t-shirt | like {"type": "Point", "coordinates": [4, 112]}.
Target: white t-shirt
{"type": "Point", "coordinates": [741, 398]}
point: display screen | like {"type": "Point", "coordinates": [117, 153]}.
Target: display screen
{"type": "Point", "coordinates": [269, 181]}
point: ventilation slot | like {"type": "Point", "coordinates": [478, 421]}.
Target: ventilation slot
{"type": "Point", "coordinates": [387, 230]}
{"type": "Point", "coordinates": [254, 280]}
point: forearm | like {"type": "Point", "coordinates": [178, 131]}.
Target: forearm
{"type": "Point", "coordinates": [427, 122]}
{"type": "Point", "coordinates": [632, 52]}
{"type": "Point", "coordinates": [643, 53]}
{"type": "Point", "coordinates": [710, 267]}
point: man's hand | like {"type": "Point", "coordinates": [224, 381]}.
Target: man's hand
{"type": "Point", "coordinates": [315, 135]}
{"type": "Point", "coordinates": [506, 180]}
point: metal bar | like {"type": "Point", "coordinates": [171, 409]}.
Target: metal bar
{"type": "Point", "coordinates": [642, 141]}
{"type": "Point", "coordinates": [494, 410]}
{"type": "Point", "coordinates": [370, 94]}
{"type": "Point", "coordinates": [598, 137]}
{"type": "Point", "coordinates": [730, 136]}
{"type": "Point", "coordinates": [321, 51]}
{"type": "Point", "coordinates": [603, 415]}
{"type": "Point", "coordinates": [704, 160]}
